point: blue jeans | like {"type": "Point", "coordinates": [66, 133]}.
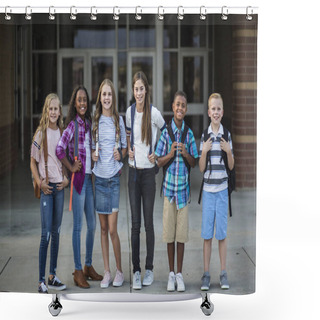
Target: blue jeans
{"type": "Point", "coordinates": [51, 209]}
{"type": "Point", "coordinates": [142, 187]}
{"type": "Point", "coordinates": [83, 202]}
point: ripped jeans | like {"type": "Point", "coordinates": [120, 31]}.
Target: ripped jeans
{"type": "Point", "coordinates": [51, 209]}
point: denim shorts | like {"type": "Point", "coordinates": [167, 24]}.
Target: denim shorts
{"type": "Point", "coordinates": [214, 213]}
{"type": "Point", "coordinates": [107, 194]}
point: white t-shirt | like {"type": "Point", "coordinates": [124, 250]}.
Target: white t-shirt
{"type": "Point", "coordinates": [141, 149]}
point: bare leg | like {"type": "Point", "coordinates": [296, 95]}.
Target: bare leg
{"type": "Point", "coordinates": [223, 253]}
{"type": "Point", "coordinates": [180, 254]}
{"type": "Point", "coordinates": [104, 240]}
{"type": "Point", "coordinates": [207, 245]}
{"type": "Point", "coordinates": [112, 222]}
{"type": "Point", "coordinates": [171, 252]}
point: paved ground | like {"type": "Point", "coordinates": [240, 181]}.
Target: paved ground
{"type": "Point", "coordinates": [20, 236]}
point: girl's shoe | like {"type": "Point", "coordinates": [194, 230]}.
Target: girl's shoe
{"type": "Point", "coordinates": [56, 284]}
{"type": "Point", "coordinates": [106, 280]}
{"type": "Point", "coordinates": [42, 288]}
{"type": "Point", "coordinates": [90, 273]}
{"type": "Point", "coordinates": [136, 283]}
{"type": "Point", "coordinates": [118, 279]}
{"type": "Point", "coordinates": [80, 280]}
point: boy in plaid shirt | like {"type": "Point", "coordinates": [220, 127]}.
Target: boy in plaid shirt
{"type": "Point", "coordinates": [176, 188]}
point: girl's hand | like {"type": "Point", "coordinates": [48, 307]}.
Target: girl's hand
{"type": "Point", "coordinates": [95, 157]}
{"type": "Point", "coordinates": [46, 189]}
{"type": "Point", "coordinates": [116, 154]}
{"type": "Point", "coordinates": [76, 167]}
{"type": "Point", "coordinates": [63, 184]}
{"type": "Point", "coordinates": [152, 157]}
{"type": "Point", "coordinates": [225, 146]}
{"type": "Point", "coordinates": [207, 145]}
{"type": "Point", "coordinates": [131, 153]}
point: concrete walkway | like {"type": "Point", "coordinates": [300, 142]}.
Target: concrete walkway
{"type": "Point", "coordinates": [20, 238]}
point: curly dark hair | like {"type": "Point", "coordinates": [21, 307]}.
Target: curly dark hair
{"type": "Point", "coordinates": [72, 111]}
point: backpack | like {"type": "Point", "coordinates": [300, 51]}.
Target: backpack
{"type": "Point", "coordinates": [133, 112]}
{"type": "Point", "coordinates": [231, 173]}
{"type": "Point", "coordinates": [168, 164]}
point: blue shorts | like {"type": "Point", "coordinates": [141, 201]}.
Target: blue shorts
{"type": "Point", "coordinates": [107, 194]}
{"type": "Point", "coordinates": [214, 212]}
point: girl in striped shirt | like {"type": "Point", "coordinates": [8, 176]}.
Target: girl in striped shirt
{"type": "Point", "coordinates": [108, 152]}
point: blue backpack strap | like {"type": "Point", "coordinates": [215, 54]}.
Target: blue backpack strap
{"type": "Point", "coordinates": [76, 138]}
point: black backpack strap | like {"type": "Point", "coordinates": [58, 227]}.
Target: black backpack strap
{"type": "Point", "coordinates": [205, 138]}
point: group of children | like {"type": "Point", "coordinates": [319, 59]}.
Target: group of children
{"type": "Point", "coordinates": [98, 150]}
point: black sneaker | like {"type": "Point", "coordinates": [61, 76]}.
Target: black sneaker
{"type": "Point", "coordinates": [42, 288]}
{"type": "Point", "coordinates": [56, 284]}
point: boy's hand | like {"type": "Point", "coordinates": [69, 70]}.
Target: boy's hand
{"type": "Point", "coordinates": [207, 145]}
{"type": "Point", "coordinates": [174, 148]}
{"type": "Point", "coordinates": [225, 146]}
{"type": "Point", "coordinates": [182, 149]}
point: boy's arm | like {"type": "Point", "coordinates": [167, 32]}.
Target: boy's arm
{"type": "Point", "coordinates": [191, 160]}
{"type": "Point", "coordinates": [162, 161]}
{"type": "Point", "coordinates": [225, 146]}
{"type": "Point", "coordinates": [205, 148]}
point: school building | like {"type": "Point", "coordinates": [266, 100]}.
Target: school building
{"type": "Point", "coordinates": [197, 56]}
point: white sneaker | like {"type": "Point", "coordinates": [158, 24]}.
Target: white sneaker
{"type": "Point", "coordinates": [148, 278]}
{"type": "Point", "coordinates": [106, 281]}
{"type": "Point", "coordinates": [171, 282]}
{"type": "Point", "coordinates": [180, 283]}
{"type": "Point", "coordinates": [136, 282]}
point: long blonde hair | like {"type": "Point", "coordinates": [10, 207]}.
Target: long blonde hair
{"type": "Point", "coordinates": [98, 112]}
{"type": "Point", "coordinates": [44, 121]}
{"type": "Point", "coordinates": [146, 118]}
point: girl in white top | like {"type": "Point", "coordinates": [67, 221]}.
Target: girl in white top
{"type": "Point", "coordinates": [108, 152]}
{"type": "Point", "coordinates": [52, 192]}
{"type": "Point", "coordinates": [141, 139]}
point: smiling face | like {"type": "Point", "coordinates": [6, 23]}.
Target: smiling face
{"type": "Point", "coordinates": [81, 103]}
{"type": "Point", "coordinates": [179, 108]}
{"type": "Point", "coordinates": [53, 112]}
{"type": "Point", "coordinates": [139, 92]}
{"type": "Point", "coordinates": [215, 111]}
{"type": "Point", "coordinates": [106, 100]}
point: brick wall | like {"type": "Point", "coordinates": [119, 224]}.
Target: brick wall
{"type": "Point", "coordinates": [244, 111]}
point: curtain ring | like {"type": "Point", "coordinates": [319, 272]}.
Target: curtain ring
{"type": "Point", "coordinates": [52, 12]}
{"type": "Point", "coordinates": [249, 16]}
{"type": "Point", "coordinates": [180, 13]}
{"type": "Point", "coordinates": [28, 13]}
{"type": "Point", "coordinates": [73, 13]}
{"type": "Point", "coordinates": [93, 15]}
{"type": "Point", "coordinates": [7, 10]}
{"type": "Point", "coordinates": [138, 16]}
{"type": "Point", "coordinates": [203, 13]}
{"type": "Point", "coordinates": [116, 14]}
{"type": "Point", "coordinates": [224, 13]}
{"type": "Point", "coordinates": [160, 14]}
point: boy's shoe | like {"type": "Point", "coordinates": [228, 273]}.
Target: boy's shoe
{"type": "Point", "coordinates": [118, 279]}
{"type": "Point", "coordinates": [224, 280]}
{"type": "Point", "coordinates": [171, 282]}
{"type": "Point", "coordinates": [205, 281]}
{"type": "Point", "coordinates": [136, 283]}
{"type": "Point", "coordinates": [56, 284]}
{"type": "Point", "coordinates": [180, 283]}
{"type": "Point", "coordinates": [148, 278]}
{"type": "Point", "coordinates": [42, 288]}
{"type": "Point", "coordinates": [106, 280]}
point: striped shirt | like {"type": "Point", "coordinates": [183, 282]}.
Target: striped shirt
{"type": "Point", "coordinates": [67, 141]}
{"type": "Point", "coordinates": [107, 166]}
{"type": "Point", "coordinates": [218, 179]}
{"type": "Point", "coordinates": [175, 185]}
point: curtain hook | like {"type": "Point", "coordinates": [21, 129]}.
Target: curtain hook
{"type": "Point", "coordinates": [180, 13]}
{"type": "Point", "coordinates": [138, 16]}
{"type": "Point", "coordinates": [52, 12]}
{"type": "Point", "coordinates": [224, 13]}
{"type": "Point", "coordinates": [116, 14]}
{"type": "Point", "coordinates": [160, 14]}
{"type": "Point", "coordinates": [6, 14]}
{"type": "Point", "coordinates": [28, 13]}
{"type": "Point", "coordinates": [203, 13]}
{"type": "Point", "coordinates": [93, 15]}
{"type": "Point", "coordinates": [249, 16]}
{"type": "Point", "coordinates": [73, 13]}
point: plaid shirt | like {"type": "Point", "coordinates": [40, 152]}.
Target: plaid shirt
{"type": "Point", "coordinates": [175, 186]}
{"type": "Point", "coordinates": [67, 140]}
